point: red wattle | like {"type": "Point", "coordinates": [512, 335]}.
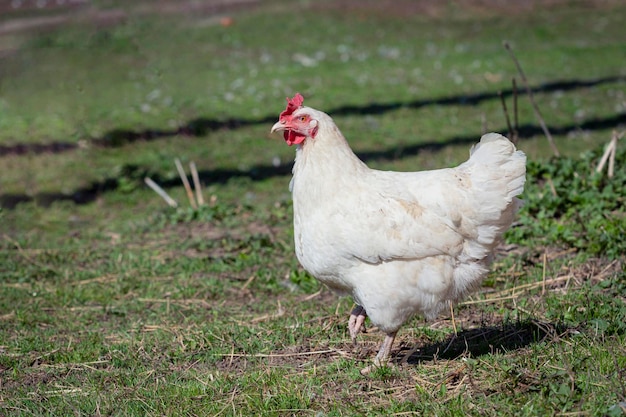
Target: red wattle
{"type": "Point", "coordinates": [293, 138]}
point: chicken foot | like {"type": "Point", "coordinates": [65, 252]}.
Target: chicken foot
{"type": "Point", "coordinates": [382, 357]}
{"type": "Point", "coordinates": [356, 322]}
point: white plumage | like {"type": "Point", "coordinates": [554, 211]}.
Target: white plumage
{"type": "Point", "coordinates": [400, 243]}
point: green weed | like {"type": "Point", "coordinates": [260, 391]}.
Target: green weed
{"type": "Point", "coordinates": [570, 205]}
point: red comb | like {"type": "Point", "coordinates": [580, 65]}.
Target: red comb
{"type": "Point", "coordinates": [292, 105]}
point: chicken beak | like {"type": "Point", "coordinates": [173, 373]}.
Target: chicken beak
{"type": "Point", "coordinates": [278, 126]}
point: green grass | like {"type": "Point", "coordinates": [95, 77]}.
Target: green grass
{"type": "Point", "coordinates": [120, 305]}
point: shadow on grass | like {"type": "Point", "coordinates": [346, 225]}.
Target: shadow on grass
{"type": "Point", "coordinates": [260, 172]}
{"type": "Point", "coordinates": [203, 126]}
{"type": "Point", "coordinates": [485, 340]}
{"type": "Point", "coordinates": [81, 196]}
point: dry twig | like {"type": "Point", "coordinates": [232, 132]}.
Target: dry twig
{"type": "Point", "coordinates": [543, 273]}
{"type": "Point", "coordinates": [609, 154]}
{"type": "Point", "coordinates": [284, 355]}
{"type": "Point", "coordinates": [515, 112]}
{"type": "Point", "coordinates": [513, 128]}
{"type": "Point", "coordinates": [529, 91]}
{"type": "Point", "coordinates": [196, 183]}
{"type": "Point", "coordinates": [515, 292]}
{"type": "Point", "coordinates": [452, 317]}
{"type": "Point", "coordinates": [185, 181]}
{"type": "Point", "coordinates": [161, 192]}
{"type": "Point", "coordinates": [506, 116]}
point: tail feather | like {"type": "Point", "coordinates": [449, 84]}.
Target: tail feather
{"type": "Point", "coordinates": [498, 174]}
{"type": "Point", "coordinates": [499, 166]}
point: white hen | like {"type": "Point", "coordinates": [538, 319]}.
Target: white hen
{"type": "Point", "coordinates": [401, 243]}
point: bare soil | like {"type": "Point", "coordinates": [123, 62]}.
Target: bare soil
{"type": "Point", "coordinates": [23, 15]}
{"type": "Point", "coordinates": [20, 16]}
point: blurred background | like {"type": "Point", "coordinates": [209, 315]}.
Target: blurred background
{"type": "Point", "coordinates": [79, 78]}
{"type": "Point", "coordinates": [114, 302]}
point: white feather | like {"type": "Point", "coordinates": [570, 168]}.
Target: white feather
{"type": "Point", "coordinates": [401, 243]}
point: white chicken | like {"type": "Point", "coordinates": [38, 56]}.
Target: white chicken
{"type": "Point", "coordinates": [400, 243]}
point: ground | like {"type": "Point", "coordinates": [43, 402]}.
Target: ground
{"type": "Point", "coordinates": [115, 303]}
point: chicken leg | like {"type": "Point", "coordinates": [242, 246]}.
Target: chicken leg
{"type": "Point", "coordinates": [382, 357]}
{"type": "Point", "coordinates": [356, 322]}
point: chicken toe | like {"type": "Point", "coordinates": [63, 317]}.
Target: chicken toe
{"type": "Point", "coordinates": [356, 322]}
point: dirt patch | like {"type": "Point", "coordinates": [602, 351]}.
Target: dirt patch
{"type": "Point", "coordinates": [441, 9]}
{"type": "Point", "coordinates": [42, 14]}
{"type": "Point", "coordinates": [206, 230]}
{"type": "Point", "coordinates": [220, 241]}
{"type": "Point", "coordinates": [11, 8]}
{"type": "Point", "coordinates": [296, 357]}
{"type": "Point", "coordinates": [24, 15]}
{"type": "Point", "coordinates": [21, 15]}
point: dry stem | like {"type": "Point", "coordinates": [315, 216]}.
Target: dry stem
{"type": "Point", "coordinates": [183, 177]}
{"type": "Point", "coordinates": [506, 116]}
{"type": "Point", "coordinates": [532, 100]}
{"type": "Point", "coordinates": [196, 183]}
{"type": "Point", "coordinates": [609, 154]}
{"type": "Point", "coordinates": [161, 192]}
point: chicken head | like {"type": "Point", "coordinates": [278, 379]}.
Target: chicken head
{"type": "Point", "coordinates": [296, 123]}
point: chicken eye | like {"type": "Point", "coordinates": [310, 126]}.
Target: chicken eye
{"type": "Point", "coordinates": [303, 118]}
